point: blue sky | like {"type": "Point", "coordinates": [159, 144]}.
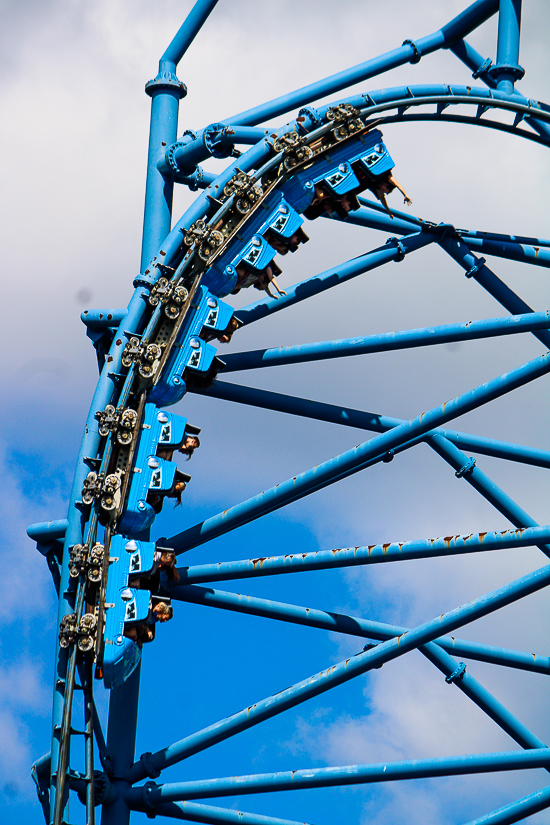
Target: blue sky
{"type": "Point", "coordinates": [76, 140]}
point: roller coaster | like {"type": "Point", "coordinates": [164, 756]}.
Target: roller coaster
{"type": "Point", "coordinates": [116, 583]}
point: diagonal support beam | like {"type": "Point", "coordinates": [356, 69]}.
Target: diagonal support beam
{"type": "Point", "coordinates": [339, 674]}
{"type": "Point", "coordinates": [341, 776]}
{"type": "Point", "coordinates": [352, 626]}
{"type": "Point", "coordinates": [367, 554]}
{"type": "Point", "coordinates": [516, 811]}
{"type": "Point", "coordinates": [352, 461]}
{"type": "Point", "coordinates": [477, 269]}
{"type": "Point", "coordinates": [335, 276]}
{"type": "Point", "coordinates": [386, 342]}
{"type": "Point", "coordinates": [208, 814]}
{"type": "Point", "coordinates": [362, 420]}
{"type": "Point", "coordinates": [483, 484]}
{"type": "Point", "coordinates": [456, 29]}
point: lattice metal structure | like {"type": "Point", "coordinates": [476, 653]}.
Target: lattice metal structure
{"type": "Point", "coordinates": [115, 581]}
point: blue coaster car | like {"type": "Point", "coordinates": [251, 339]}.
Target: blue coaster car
{"type": "Point", "coordinates": [191, 354]}
{"type": "Point", "coordinates": [129, 560]}
{"type": "Point", "coordinates": [153, 476]}
{"type": "Point", "coordinates": [346, 169]}
{"type": "Point", "coordinates": [282, 222]}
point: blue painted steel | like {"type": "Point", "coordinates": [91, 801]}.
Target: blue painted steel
{"type": "Point", "coordinates": [171, 160]}
{"type": "Point", "coordinates": [195, 812]}
{"type": "Point", "coordinates": [121, 738]}
{"type": "Point", "coordinates": [151, 474]}
{"type": "Point", "coordinates": [477, 269]}
{"type": "Point", "coordinates": [343, 671]}
{"type": "Point", "coordinates": [358, 458]}
{"type": "Point", "coordinates": [456, 29]}
{"type": "Point", "coordinates": [483, 484]}
{"type": "Point", "coordinates": [370, 421]}
{"type": "Point", "coordinates": [334, 276]}
{"type": "Point", "coordinates": [352, 626]}
{"type": "Point", "coordinates": [129, 560]}
{"type": "Point", "coordinates": [516, 811]}
{"type": "Point", "coordinates": [191, 354]}
{"type": "Point", "coordinates": [166, 91]}
{"type": "Point", "coordinates": [512, 251]}
{"type": "Point", "coordinates": [367, 554]}
{"type": "Point", "coordinates": [345, 775]}
{"type": "Point", "coordinates": [385, 342]}
{"type": "Point", "coordinates": [507, 69]}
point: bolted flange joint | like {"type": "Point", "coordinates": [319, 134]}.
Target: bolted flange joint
{"type": "Point", "coordinates": [148, 766]}
{"type": "Point", "coordinates": [505, 71]}
{"type": "Point", "coordinates": [167, 82]}
{"type": "Point", "coordinates": [149, 799]}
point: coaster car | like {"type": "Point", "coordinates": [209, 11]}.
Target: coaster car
{"type": "Point", "coordinates": [153, 477]}
{"type": "Point", "coordinates": [191, 355]}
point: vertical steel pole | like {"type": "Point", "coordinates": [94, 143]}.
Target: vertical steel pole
{"type": "Point", "coordinates": [166, 91]}
{"type": "Point", "coordinates": [507, 69]}
{"type": "Point", "coordinates": [121, 740]}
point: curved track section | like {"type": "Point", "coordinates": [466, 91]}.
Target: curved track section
{"type": "Point", "coordinates": [116, 583]}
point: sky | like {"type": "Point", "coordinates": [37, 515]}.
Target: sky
{"type": "Point", "coordinates": [73, 144]}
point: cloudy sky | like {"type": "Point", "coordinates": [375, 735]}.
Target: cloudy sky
{"type": "Point", "coordinates": [74, 142]}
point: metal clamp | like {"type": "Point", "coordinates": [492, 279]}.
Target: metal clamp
{"type": "Point", "coordinates": [476, 267]}
{"type": "Point", "coordinates": [457, 674]}
{"type": "Point", "coordinates": [416, 56]}
{"type": "Point", "coordinates": [151, 807]}
{"type": "Point", "coordinates": [213, 140]}
{"type": "Point", "coordinates": [179, 144]}
{"type": "Point", "coordinates": [487, 63]}
{"type": "Point", "coordinates": [468, 467]}
{"type": "Point", "coordinates": [312, 114]}
{"type": "Point", "coordinates": [148, 766]}
{"type": "Point", "coordinates": [401, 251]}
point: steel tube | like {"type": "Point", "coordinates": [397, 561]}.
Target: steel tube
{"type": "Point", "coordinates": [476, 268]}
{"type": "Point", "coordinates": [354, 460]}
{"type": "Point", "coordinates": [386, 342]}
{"type": "Point", "coordinates": [344, 775]}
{"type": "Point", "coordinates": [195, 812]}
{"type": "Point", "coordinates": [457, 28]}
{"type": "Point", "coordinates": [516, 811]}
{"type": "Point", "coordinates": [334, 276]}
{"type": "Point", "coordinates": [121, 738]}
{"type": "Point", "coordinates": [359, 556]}
{"type": "Point", "coordinates": [512, 251]}
{"type": "Point", "coordinates": [352, 626]}
{"type": "Point", "coordinates": [507, 69]}
{"type": "Point", "coordinates": [484, 485]}
{"type": "Point", "coordinates": [343, 672]}
{"type": "Point", "coordinates": [372, 422]}
{"type": "Point", "coordinates": [188, 31]}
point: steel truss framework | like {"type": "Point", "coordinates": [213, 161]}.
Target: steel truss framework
{"type": "Point", "coordinates": [120, 786]}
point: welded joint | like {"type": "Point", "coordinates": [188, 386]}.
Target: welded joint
{"type": "Point", "coordinates": [457, 674]}
{"type": "Point", "coordinates": [401, 251]}
{"type": "Point", "coordinates": [148, 767]}
{"type": "Point", "coordinates": [476, 267]}
{"type": "Point", "coordinates": [416, 56]}
{"type": "Point", "coordinates": [149, 800]}
{"type": "Point", "coordinates": [468, 467]}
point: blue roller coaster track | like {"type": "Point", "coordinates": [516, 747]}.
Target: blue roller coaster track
{"type": "Point", "coordinates": [116, 582]}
